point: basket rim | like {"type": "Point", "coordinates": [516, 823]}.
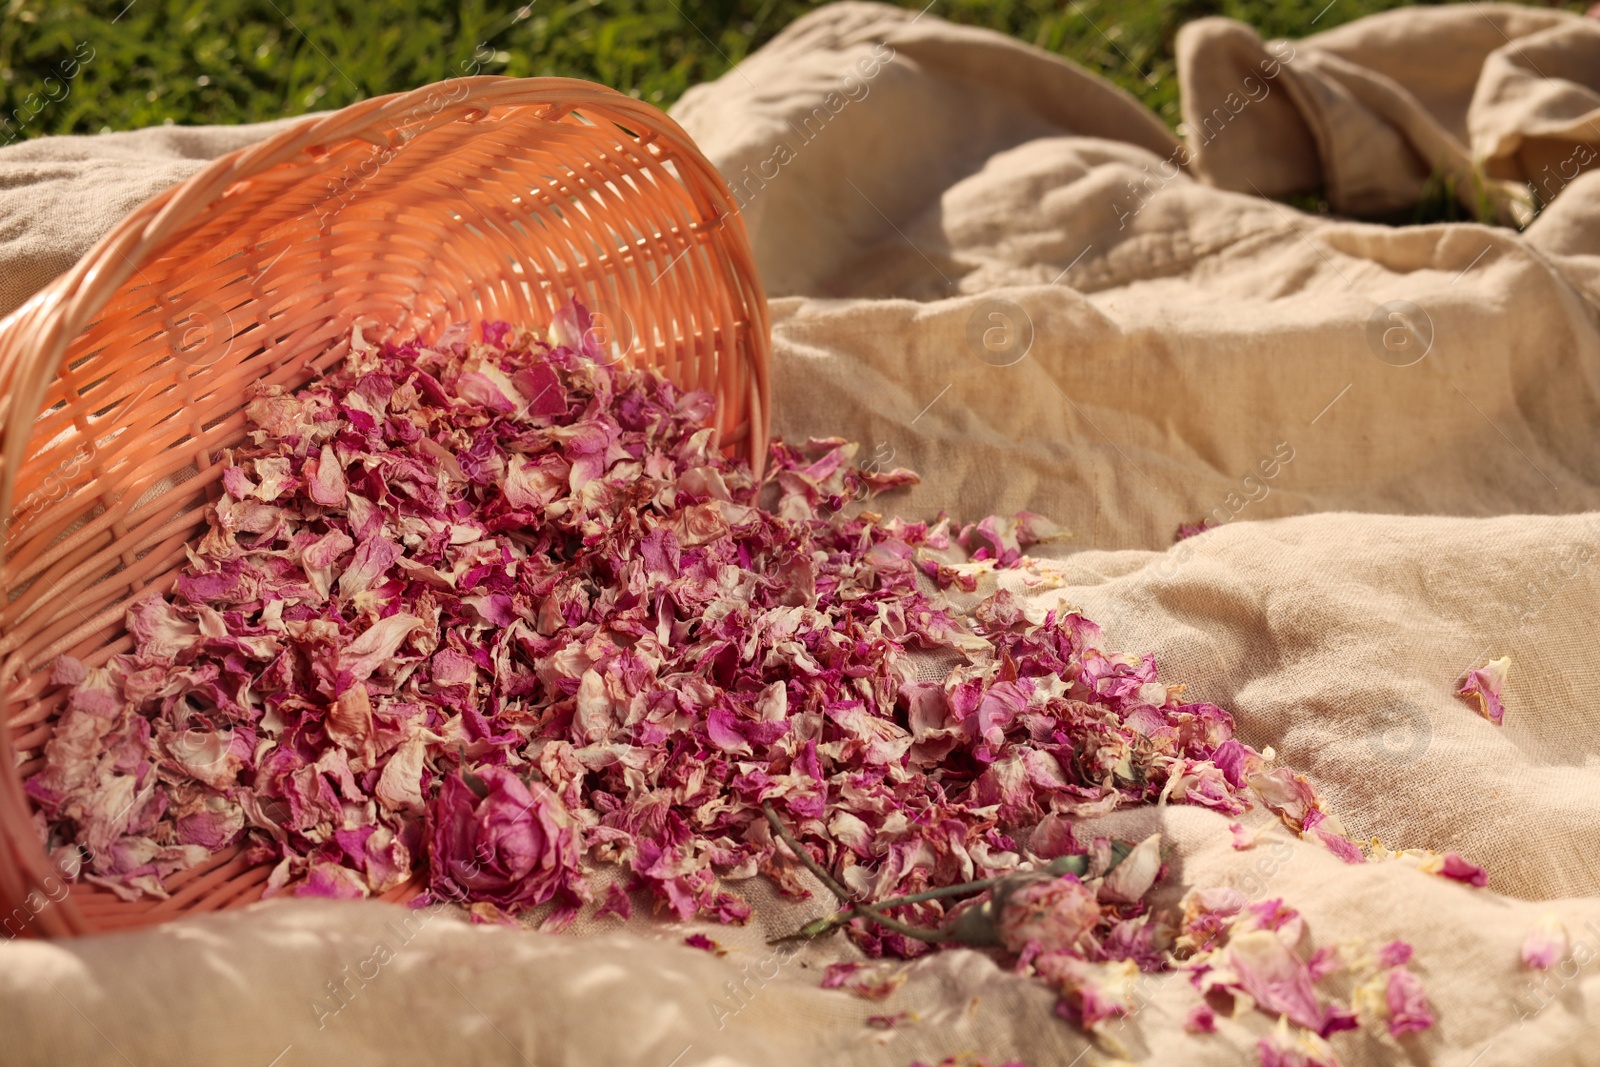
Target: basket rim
{"type": "Point", "coordinates": [68, 303]}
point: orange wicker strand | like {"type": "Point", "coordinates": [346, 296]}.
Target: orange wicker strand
{"type": "Point", "coordinates": [474, 199]}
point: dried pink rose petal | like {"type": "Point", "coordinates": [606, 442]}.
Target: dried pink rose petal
{"type": "Point", "coordinates": [1091, 994]}
{"type": "Point", "coordinates": [1201, 1020]}
{"type": "Point", "coordinates": [1450, 865]}
{"type": "Point", "coordinates": [616, 902]}
{"type": "Point", "coordinates": [1394, 954]}
{"type": "Point", "coordinates": [1325, 960]}
{"type": "Point", "coordinates": [864, 980]}
{"type": "Point", "coordinates": [1545, 944]}
{"type": "Point", "coordinates": [836, 973]}
{"type": "Point", "coordinates": [1485, 683]}
{"type": "Point", "coordinates": [1287, 794]}
{"type": "Point", "coordinates": [1294, 1047]}
{"type": "Point", "coordinates": [1408, 1005]}
{"type": "Point", "coordinates": [705, 944]}
{"type": "Point", "coordinates": [333, 881]}
{"type": "Point", "coordinates": [1275, 978]}
{"type": "Point", "coordinates": [1131, 879]}
{"type": "Point", "coordinates": [1339, 845]}
{"type": "Point", "coordinates": [1455, 867]}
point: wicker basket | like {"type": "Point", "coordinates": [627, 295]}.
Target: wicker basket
{"type": "Point", "coordinates": [475, 199]}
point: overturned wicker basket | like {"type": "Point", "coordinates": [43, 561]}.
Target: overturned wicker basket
{"type": "Point", "coordinates": [475, 199]}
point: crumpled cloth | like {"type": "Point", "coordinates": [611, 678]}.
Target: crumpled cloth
{"type": "Point", "coordinates": [990, 266]}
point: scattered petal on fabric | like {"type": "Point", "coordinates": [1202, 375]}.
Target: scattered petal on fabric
{"type": "Point", "coordinates": [1450, 865]}
{"type": "Point", "coordinates": [1455, 867]}
{"type": "Point", "coordinates": [1408, 1005]}
{"type": "Point", "coordinates": [1275, 979]}
{"type": "Point", "coordinates": [836, 973]}
{"type": "Point", "coordinates": [1394, 954]}
{"type": "Point", "coordinates": [616, 902]}
{"type": "Point", "coordinates": [1545, 944]}
{"type": "Point", "coordinates": [1339, 845]}
{"type": "Point", "coordinates": [868, 981]}
{"type": "Point", "coordinates": [1091, 994]}
{"type": "Point", "coordinates": [705, 944]}
{"type": "Point", "coordinates": [1133, 877]}
{"type": "Point", "coordinates": [1293, 1047]}
{"type": "Point", "coordinates": [1485, 684]}
{"type": "Point", "coordinates": [1249, 953]}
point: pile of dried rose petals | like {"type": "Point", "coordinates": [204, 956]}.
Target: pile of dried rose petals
{"type": "Point", "coordinates": [499, 611]}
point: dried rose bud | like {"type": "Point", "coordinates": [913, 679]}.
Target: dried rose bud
{"type": "Point", "coordinates": [1052, 914]}
{"type": "Point", "coordinates": [513, 847]}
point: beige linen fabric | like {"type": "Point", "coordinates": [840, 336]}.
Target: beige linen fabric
{"type": "Point", "coordinates": [1373, 110]}
{"type": "Point", "coordinates": [58, 195]}
{"type": "Point", "coordinates": [1009, 275]}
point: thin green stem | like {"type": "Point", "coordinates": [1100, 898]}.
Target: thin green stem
{"type": "Point", "coordinates": [1077, 865]}
{"type": "Point", "coordinates": [917, 933]}
{"type": "Point", "coordinates": [818, 927]}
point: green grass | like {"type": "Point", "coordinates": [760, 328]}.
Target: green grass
{"type": "Point", "coordinates": [77, 67]}
{"type": "Point", "coordinates": [228, 61]}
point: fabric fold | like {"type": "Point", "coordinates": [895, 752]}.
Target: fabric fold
{"type": "Point", "coordinates": [993, 267]}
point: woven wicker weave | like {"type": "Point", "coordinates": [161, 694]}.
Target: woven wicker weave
{"type": "Point", "coordinates": [475, 199]}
